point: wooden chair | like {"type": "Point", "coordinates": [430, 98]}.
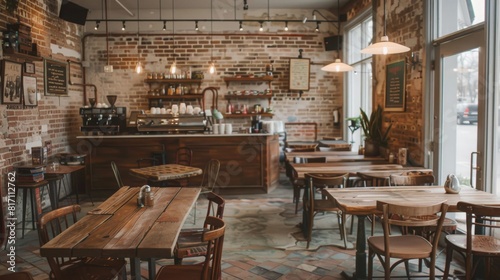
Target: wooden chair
{"type": "Point", "coordinates": [52, 224]}
{"type": "Point", "coordinates": [144, 162]}
{"type": "Point", "coordinates": [189, 243]}
{"type": "Point", "coordinates": [209, 179]}
{"type": "Point", "coordinates": [183, 156]}
{"type": "Point", "coordinates": [299, 184]}
{"type": "Point", "coordinates": [312, 206]}
{"type": "Point", "coordinates": [411, 180]}
{"type": "Point", "coordinates": [21, 275]}
{"type": "Point", "coordinates": [474, 247]}
{"type": "Point", "coordinates": [116, 172]}
{"type": "Point", "coordinates": [408, 246]}
{"type": "Point", "coordinates": [210, 269]}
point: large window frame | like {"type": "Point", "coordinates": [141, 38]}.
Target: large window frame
{"type": "Point", "coordinates": [359, 34]}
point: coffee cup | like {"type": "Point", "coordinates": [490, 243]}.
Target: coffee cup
{"type": "Point", "coordinates": [229, 128]}
{"type": "Point", "coordinates": [189, 109]}
{"type": "Point", "coordinates": [222, 128]}
{"type": "Point", "coordinates": [196, 110]}
{"type": "Point", "coordinates": [215, 128]}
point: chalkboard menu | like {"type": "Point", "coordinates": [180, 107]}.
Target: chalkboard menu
{"type": "Point", "coordinates": [56, 77]}
{"type": "Point", "coordinates": [395, 86]}
{"type": "Point", "coordinates": [299, 74]}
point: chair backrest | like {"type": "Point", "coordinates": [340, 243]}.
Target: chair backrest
{"type": "Point", "coordinates": [145, 162]}
{"type": "Point", "coordinates": [210, 174]}
{"type": "Point", "coordinates": [327, 180]}
{"type": "Point", "coordinates": [488, 217]}
{"type": "Point", "coordinates": [215, 204]}
{"type": "Point", "coordinates": [52, 224]}
{"type": "Point", "coordinates": [412, 180]}
{"type": "Point", "coordinates": [416, 215]}
{"type": "Point", "coordinates": [183, 156]}
{"type": "Point", "coordinates": [118, 178]}
{"type": "Point", "coordinates": [215, 239]}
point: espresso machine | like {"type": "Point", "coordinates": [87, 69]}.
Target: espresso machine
{"type": "Point", "coordinates": [103, 121]}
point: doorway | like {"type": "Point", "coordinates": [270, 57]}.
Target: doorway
{"type": "Point", "coordinates": [459, 108]}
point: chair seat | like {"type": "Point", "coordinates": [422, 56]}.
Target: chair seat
{"type": "Point", "coordinates": [180, 272]}
{"type": "Point", "coordinates": [403, 246]}
{"type": "Point", "coordinates": [481, 244]}
{"type": "Point", "coordinates": [324, 205]}
{"type": "Point", "coordinates": [189, 244]}
{"type": "Point", "coordinates": [95, 269]}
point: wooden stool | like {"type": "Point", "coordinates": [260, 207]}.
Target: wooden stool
{"type": "Point", "coordinates": [31, 186]}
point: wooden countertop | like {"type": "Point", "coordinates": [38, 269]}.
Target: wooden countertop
{"type": "Point", "coordinates": [125, 136]}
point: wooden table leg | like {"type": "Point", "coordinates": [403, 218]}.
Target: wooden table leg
{"type": "Point", "coordinates": [360, 272]}
{"type": "Point", "coordinates": [152, 268]}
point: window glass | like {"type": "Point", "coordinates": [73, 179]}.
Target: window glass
{"type": "Point", "coordinates": [359, 81]}
{"type": "Point", "coordinates": [454, 15]}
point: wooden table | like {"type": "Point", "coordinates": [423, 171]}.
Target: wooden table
{"type": "Point", "coordinates": [303, 168]}
{"type": "Point", "coordinates": [362, 202]}
{"type": "Point", "coordinates": [120, 228]}
{"type": "Point", "coordinates": [54, 176]}
{"type": "Point", "coordinates": [166, 172]}
{"type": "Point", "coordinates": [384, 176]}
{"type": "Point", "coordinates": [335, 156]}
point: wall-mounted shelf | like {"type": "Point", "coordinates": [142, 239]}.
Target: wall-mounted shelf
{"type": "Point", "coordinates": [241, 116]}
{"type": "Point", "coordinates": [157, 100]}
{"type": "Point", "coordinates": [267, 79]}
{"type": "Point", "coordinates": [174, 81]}
{"type": "Point", "coordinates": [10, 54]}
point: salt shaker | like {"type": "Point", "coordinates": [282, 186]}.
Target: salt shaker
{"type": "Point", "coordinates": [148, 197]}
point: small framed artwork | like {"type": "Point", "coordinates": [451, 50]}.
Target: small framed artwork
{"type": "Point", "coordinates": [29, 91]}
{"type": "Point", "coordinates": [56, 77]}
{"type": "Point", "coordinates": [11, 82]}
{"type": "Point", "coordinates": [29, 68]}
{"type": "Point", "coordinates": [299, 74]}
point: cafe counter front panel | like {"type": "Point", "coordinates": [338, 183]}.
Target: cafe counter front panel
{"type": "Point", "coordinates": [249, 162]}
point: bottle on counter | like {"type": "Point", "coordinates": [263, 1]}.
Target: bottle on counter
{"type": "Point", "coordinates": [170, 91]}
{"type": "Point", "coordinates": [229, 108]}
{"type": "Point", "coordinates": [178, 90]}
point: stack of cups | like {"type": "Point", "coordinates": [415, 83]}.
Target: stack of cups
{"type": "Point", "coordinates": [215, 128]}
{"type": "Point", "coordinates": [222, 128]}
{"type": "Point", "coordinates": [229, 128]}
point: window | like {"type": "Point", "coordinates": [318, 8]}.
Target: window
{"type": "Point", "coordinates": [359, 82]}
{"type": "Point", "coordinates": [455, 15]}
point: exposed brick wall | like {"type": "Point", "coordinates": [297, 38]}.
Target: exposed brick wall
{"type": "Point", "coordinates": [405, 25]}
{"type": "Point", "coordinates": [56, 39]}
{"type": "Point", "coordinates": [234, 54]}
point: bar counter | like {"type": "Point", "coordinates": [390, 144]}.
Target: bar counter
{"type": "Point", "coordinates": [249, 162]}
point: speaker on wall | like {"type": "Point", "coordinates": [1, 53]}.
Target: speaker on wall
{"type": "Point", "coordinates": [333, 43]}
{"type": "Point", "coordinates": [73, 13]}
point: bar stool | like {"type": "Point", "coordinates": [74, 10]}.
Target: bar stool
{"type": "Point", "coordinates": [31, 186]}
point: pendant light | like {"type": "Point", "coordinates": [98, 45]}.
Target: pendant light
{"type": "Point", "coordinates": [138, 65]}
{"type": "Point", "coordinates": [385, 46]}
{"type": "Point", "coordinates": [211, 68]}
{"type": "Point", "coordinates": [337, 65]}
{"type": "Point", "coordinates": [173, 67]}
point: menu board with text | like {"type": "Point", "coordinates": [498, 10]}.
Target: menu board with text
{"type": "Point", "coordinates": [299, 74]}
{"type": "Point", "coordinates": [56, 77]}
{"type": "Point", "coordinates": [395, 86]}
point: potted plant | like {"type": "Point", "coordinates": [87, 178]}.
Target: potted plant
{"type": "Point", "coordinates": [374, 134]}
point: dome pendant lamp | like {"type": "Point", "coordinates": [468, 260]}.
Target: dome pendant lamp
{"type": "Point", "coordinates": [385, 46]}
{"type": "Point", "coordinates": [338, 65]}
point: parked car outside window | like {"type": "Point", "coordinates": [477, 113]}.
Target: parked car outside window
{"type": "Point", "coordinates": [466, 112]}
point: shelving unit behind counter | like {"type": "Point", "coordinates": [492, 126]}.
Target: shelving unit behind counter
{"type": "Point", "coordinates": [249, 94]}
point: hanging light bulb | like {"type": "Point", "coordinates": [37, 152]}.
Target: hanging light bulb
{"type": "Point", "coordinates": [138, 67]}
{"type": "Point", "coordinates": [164, 25]}
{"type": "Point", "coordinates": [212, 69]}
{"type": "Point", "coordinates": [337, 65]}
{"type": "Point", "coordinates": [241, 25]}
{"type": "Point", "coordinates": [173, 67]}
{"type": "Point", "coordinates": [286, 25]}
{"type": "Point", "coordinates": [123, 25]}
{"type": "Point", "coordinates": [97, 25]}
{"type": "Point", "coordinates": [385, 46]}
{"type": "Point", "coordinates": [261, 28]}
{"type": "Point", "coordinates": [317, 26]}
{"type": "Point", "coordinates": [196, 25]}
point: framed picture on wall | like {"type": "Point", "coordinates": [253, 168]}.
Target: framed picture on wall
{"type": "Point", "coordinates": [11, 82]}
{"type": "Point", "coordinates": [29, 91]}
{"type": "Point", "coordinates": [56, 77]}
{"type": "Point", "coordinates": [29, 68]}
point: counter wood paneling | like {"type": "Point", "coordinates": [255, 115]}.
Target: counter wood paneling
{"type": "Point", "coordinates": [249, 162]}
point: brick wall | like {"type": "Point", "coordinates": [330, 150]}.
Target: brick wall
{"type": "Point", "coordinates": [405, 25]}
{"type": "Point", "coordinates": [234, 54]}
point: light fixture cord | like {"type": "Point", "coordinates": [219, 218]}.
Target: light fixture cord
{"type": "Point", "coordinates": [138, 31]}
{"type": "Point", "coordinates": [173, 30]}
{"type": "Point", "coordinates": [385, 22]}
{"type": "Point", "coordinates": [211, 31]}
{"type": "Point", "coordinates": [107, 34]}
{"type": "Point", "coordinates": [338, 29]}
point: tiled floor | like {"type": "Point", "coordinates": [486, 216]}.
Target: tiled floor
{"type": "Point", "coordinates": [326, 262]}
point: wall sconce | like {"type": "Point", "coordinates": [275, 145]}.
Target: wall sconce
{"type": "Point", "coordinates": [414, 60]}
